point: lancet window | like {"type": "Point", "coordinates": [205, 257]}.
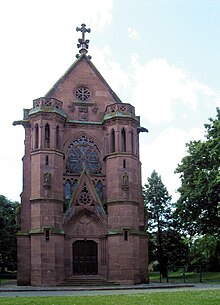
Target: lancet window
{"type": "Point", "coordinates": [57, 137]}
{"type": "Point", "coordinates": [113, 140]}
{"type": "Point", "coordinates": [123, 138]}
{"type": "Point", "coordinates": [132, 142]}
{"type": "Point", "coordinates": [36, 136]}
{"type": "Point", "coordinates": [47, 135]}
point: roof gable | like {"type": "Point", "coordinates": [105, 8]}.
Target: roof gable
{"type": "Point", "coordinates": [81, 58]}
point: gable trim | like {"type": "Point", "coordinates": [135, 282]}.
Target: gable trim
{"type": "Point", "coordinates": [81, 58]}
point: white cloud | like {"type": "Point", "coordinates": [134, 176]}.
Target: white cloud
{"type": "Point", "coordinates": [133, 34]}
{"type": "Point", "coordinates": [110, 69]}
{"type": "Point", "coordinates": [164, 154]}
{"type": "Point", "coordinates": [159, 85]}
{"type": "Point", "coordinates": [38, 44]}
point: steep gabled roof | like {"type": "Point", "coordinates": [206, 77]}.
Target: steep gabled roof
{"type": "Point", "coordinates": [72, 67]}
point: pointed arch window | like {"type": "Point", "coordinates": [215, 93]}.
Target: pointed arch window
{"type": "Point", "coordinates": [113, 140]}
{"type": "Point", "coordinates": [47, 135]}
{"type": "Point", "coordinates": [67, 190]}
{"type": "Point", "coordinates": [132, 142]}
{"type": "Point", "coordinates": [36, 136]}
{"type": "Point", "coordinates": [57, 137]}
{"type": "Point", "coordinates": [123, 137]}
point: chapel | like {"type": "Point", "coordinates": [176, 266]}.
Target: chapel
{"type": "Point", "coordinates": [82, 214]}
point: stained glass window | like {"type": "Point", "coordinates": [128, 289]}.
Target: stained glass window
{"type": "Point", "coordinates": [83, 152]}
{"type": "Point", "coordinates": [67, 189]}
{"type": "Point", "coordinates": [99, 189]}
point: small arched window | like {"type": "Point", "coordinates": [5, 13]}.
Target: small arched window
{"type": "Point", "coordinates": [36, 136]}
{"type": "Point", "coordinates": [57, 137]}
{"type": "Point", "coordinates": [113, 140]}
{"type": "Point", "coordinates": [47, 135]}
{"type": "Point", "coordinates": [123, 137]}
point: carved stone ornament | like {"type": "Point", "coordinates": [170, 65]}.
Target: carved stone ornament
{"type": "Point", "coordinates": [125, 181]}
{"type": "Point", "coordinates": [47, 179]}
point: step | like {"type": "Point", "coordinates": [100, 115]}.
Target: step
{"type": "Point", "coordinates": [87, 281]}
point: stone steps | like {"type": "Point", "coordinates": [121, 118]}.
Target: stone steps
{"type": "Point", "coordinates": [87, 281]}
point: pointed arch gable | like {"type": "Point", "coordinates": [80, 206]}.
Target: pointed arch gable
{"type": "Point", "coordinates": [85, 222]}
{"type": "Point", "coordinates": [81, 134]}
{"type": "Point", "coordinates": [85, 186]}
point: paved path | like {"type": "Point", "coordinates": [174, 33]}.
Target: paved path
{"type": "Point", "coordinates": [30, 291]}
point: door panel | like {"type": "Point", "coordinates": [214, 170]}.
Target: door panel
{"type": "Point", "coordinates": [85, 260]}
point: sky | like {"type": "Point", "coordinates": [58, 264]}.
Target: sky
{"type": "Point", "coordinates": [162, 56]}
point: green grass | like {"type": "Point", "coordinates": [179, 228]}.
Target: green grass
{"type": "Point", "coordinates": [190, 277]}
{"type": "Point", "coordinates": [203, 297]}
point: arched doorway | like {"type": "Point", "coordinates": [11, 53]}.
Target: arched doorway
{"type": "Point", "coordinates": [85, 258]}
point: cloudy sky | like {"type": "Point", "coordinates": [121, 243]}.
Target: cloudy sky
{"type": "Point", "coordinates": [162, 56]}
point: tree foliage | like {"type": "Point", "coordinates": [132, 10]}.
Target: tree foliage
{"type": "Point", "coordinates": [199, 202]}
{"type": "Point", "coordinates": [158, 203]}
{"type": "Point", "coordinates": [7, 234]}
{"type": "Point", "coordinates": [204, 252]}
{"type": "Point", "coordinates": [158, 206]}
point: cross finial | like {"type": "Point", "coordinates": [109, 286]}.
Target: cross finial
{"type": "Point", "coordinates": [83, 43]}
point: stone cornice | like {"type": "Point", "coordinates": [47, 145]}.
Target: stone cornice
{"type": "Point", "coordinates": [122, 202]}
{"type": "Point", "coordinates": [53, 230]}
{"type": "Point", "coordinates": [45, 200]}
{"type": "Point", "coordinates": [47, 151]}
{"type": "Point", "coordinates": [131, 232]}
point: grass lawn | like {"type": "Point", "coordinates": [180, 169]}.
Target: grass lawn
{"type": "Point", "coordinates": [203, 297]}
{"type": "Point", "coordinates": [188, 277]}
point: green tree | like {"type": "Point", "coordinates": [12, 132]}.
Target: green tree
{"type": "Point", "coordinates": [158, 205]}
{"type": "Point", "coordinates": [203, 252]}
{"type": "Point", "coordinates": [198, 206]}
{"type": "Point", "coordinates": [8, 254]}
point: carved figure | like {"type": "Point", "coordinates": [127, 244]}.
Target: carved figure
{"type": "Point", "coordinates": [125, 181]}
{"type": "Point", "coordinates": [47, 179]}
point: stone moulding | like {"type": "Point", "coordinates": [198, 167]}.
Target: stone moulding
{"type": "Point", "coordinates": [121, 232]}
{"type": "Point", "coordinates": [52, 230]}
{"type": "Point", "coordinates": [122, 202]}
{"type": "Point", "coordinates": [23, 233]}
{"type": "Point", "coordinates": [45, 200]}
{"type": "Point", "coordinates": [47, 109]}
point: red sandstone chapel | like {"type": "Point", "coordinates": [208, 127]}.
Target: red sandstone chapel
{"type": "Point", "coordinates": [82, 211]}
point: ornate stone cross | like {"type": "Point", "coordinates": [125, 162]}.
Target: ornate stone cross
{"type": "Point", "coordinates": [83, 43]}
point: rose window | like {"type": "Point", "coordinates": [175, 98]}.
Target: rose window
{"type": "Point", "coordinates": [85, 198]}
{"type": "Point", "coordinates": [83, 152]}
{"type": "Point", "coordinates": [83, 94]}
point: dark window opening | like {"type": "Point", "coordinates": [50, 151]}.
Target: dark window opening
{"type": "Point", "coordinates": [36, 136]}
{"type": "Point", "coordinates": [124, 163]}
{"type": "Point", "coordinates": [132, 142]}
{"type": "Point", "coordinates": [47, 234]}
{"type": "Point", "coordinates": [47, 135]}
{"type": "Point", "coordinates": [57, 137]}
{"type": "Point", "coordinates": [47, 160]}
{"type": "Point", "coordinates": [125, 235]}
{"type": "Point", "coordinates": [112, 140]}
{"type": "Point", "coordinates": [123, 135]}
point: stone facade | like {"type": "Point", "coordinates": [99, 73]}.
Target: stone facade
{"type": "Point", "coordinates": [82, 209]}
